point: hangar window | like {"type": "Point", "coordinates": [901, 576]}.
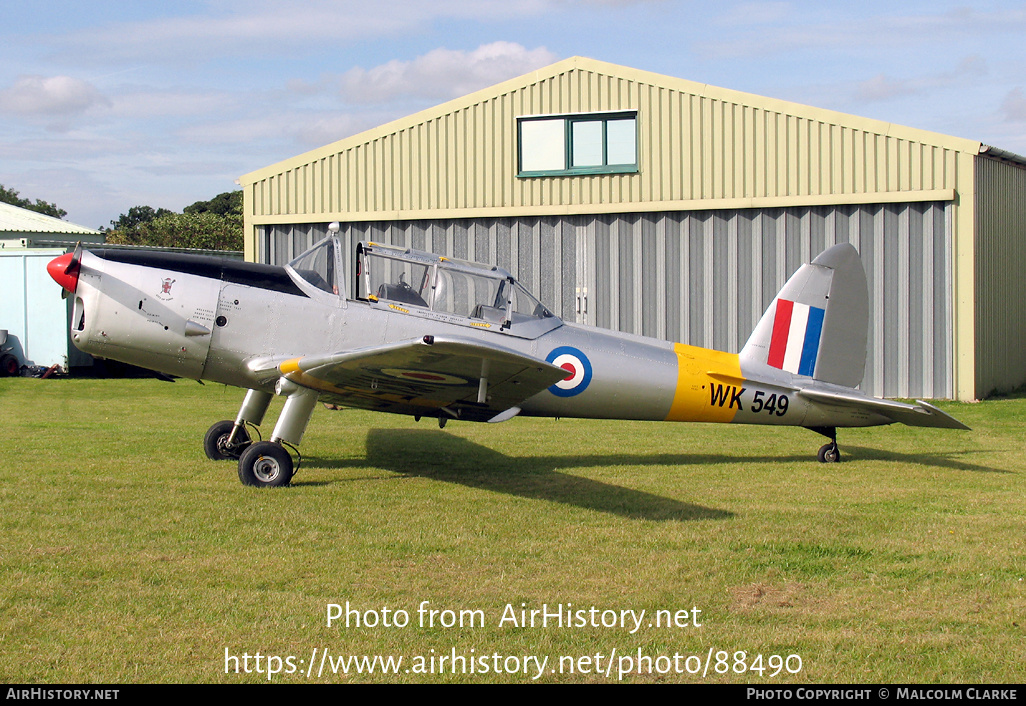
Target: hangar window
{"type": "Point", "coordinates": [587, 143]}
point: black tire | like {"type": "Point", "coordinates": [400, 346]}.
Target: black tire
{"type": "Point", "coordinates": [829, 453]}
{"type": "Point", "coordinates": [9, 365]}
{"type": "Point", "coordinates": [265, 464]}
{"type": "Point", "coordinates": [215, 443]}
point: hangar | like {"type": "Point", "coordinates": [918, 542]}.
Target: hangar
{"type": "Point", "coordinates": [659, 206]}
{"type": "Point", "coordinates": [32, 313]}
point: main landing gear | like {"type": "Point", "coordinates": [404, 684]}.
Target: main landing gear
{"type": "Point", "coordinates": [263, 464]}
{"type": "Point", "coordinates": [224, 442]}
{"type": "Point", "coordinates": [828, 453]}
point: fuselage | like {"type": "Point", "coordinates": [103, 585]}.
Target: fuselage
{"type": "Point", "coordinates": [235, 323]}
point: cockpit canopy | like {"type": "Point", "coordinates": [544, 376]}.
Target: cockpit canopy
{"type": "Point", "coordinates": [429, 285]}
{"type": "Point", "coordinates": [461, 291]}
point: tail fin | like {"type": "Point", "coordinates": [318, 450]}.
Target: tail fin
{"type": "Point", "coordinates": [817, 324]}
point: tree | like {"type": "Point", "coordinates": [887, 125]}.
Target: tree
{"type": "Point", "coordinates": [11, 196]}
{"type": "Point", "coordinates": [208, 225]}
{"type": "Point", "coordinates": [228, 203]}
{"type": "Point", "coordinates": [136, 216]}
{"type": "Point", "coordinates": [207, 231]}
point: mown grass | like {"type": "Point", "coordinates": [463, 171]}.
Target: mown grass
{"type": "Point", "coordinates": [127, 556]}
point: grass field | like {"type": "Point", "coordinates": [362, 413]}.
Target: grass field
{"type": "Point", "coordinates": [127, 556]}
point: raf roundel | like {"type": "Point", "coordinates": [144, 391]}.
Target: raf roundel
{"type": "Point", "coordinates": [578, 369]}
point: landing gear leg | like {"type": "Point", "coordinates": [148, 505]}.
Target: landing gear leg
{"type": "Point", "coordinates": [267, 464]}
{"type": "Point", "coordinates": [227, 439]}
{"type": "Point", "coordinates": [224, 442]}
{"type": "Point", "coordinates": [828, 453]}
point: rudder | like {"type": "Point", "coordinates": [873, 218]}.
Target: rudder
{"type": "Point", "coordinates": [817, 324]}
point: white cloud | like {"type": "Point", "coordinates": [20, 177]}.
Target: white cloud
{"type": "Point", "coordinates": [240, 131]}
{"type": "Point", "coordinates": [303, 130]}
{"type": "Point", "coordinates": [1014, 105]}
{"type": "Point", "coordinates": [859, 31]}
{"type": "Point", "coordinates": [267, 27]}
{"type": "Point", "coordinates": [69, 147]}
{"type": "Point", "coordinates": [54, 96]}
{"type": "Point", "coordinates": [442, 73]}
{"type": "Point", "coordinates": [881, 87]}
{"type": "Point", "coordinates": [608, 3]}
{"type": "Point", "coordinates": [756, 13]}
{"type": "Point", "coordinates": [302, 87]}
{"type": "Point", "coordinates": [145, 103]}
{"type": "Point", "coordinates": [306, 113]}
{"type": "Point", "coordinates": [329, 128]}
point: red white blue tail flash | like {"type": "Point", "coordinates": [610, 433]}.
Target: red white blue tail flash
{"type": "Point", "coordinates": [797, 329]}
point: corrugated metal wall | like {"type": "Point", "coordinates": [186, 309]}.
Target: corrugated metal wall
{"type": "Point", "coordinates": [705, 277]}
{"type": "Point", "coordinates": [1000, 252]}
{"type": "Point", "coordinates": [696, 142]}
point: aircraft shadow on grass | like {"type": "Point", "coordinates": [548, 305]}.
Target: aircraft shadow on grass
{"type": "Point", "coordinates": [428, 453]}
{"type": "Point", "coordinates": [939, 459]}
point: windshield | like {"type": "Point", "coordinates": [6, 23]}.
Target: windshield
{"type": "Point", "coordinates": [317, 266]}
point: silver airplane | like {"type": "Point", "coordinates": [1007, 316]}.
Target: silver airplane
{"type": "Point", "coordinates": [430, 336]}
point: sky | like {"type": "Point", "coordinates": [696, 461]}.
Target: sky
{"type": "Point", "coordinates": [105, 106]}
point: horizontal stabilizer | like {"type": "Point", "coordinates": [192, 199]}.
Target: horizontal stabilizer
{"type": "Point", "coordinates": [920, 414]}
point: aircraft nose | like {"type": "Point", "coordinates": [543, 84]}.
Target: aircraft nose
{"type": "Point", "coordinates": [64, 270]}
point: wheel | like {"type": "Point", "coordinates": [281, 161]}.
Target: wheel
{"type": "Point", "coordinates": [265, 464]}
{"type": "Point", "coordinates": [215, 443]}
{"type": "Point", "coordinates": [829, 453]}
{"type": "Point", "coordinates": [9, 365]}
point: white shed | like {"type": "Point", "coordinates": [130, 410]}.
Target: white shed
{"type": "Point", "coordinates": [31, 308]}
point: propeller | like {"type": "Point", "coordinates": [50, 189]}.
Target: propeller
{"type": "Point", "coordinates": [65, 270]}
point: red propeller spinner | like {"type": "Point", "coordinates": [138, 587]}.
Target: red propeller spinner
{"type": "Point", "coordinates": [64, 270]}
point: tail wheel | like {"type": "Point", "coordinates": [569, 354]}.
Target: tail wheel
{"type": "Point", "coordinates": [265, 464]}
{"type": "Point", "coordinates": [829, 453]}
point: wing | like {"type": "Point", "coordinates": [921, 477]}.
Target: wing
{"type": "Point", "coordinates": [919, 414]}
{"type": "Point", "coordinates": [461, 377]}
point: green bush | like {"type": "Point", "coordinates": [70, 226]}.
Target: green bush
{"type": "Point", "coordinates": [208, 231]}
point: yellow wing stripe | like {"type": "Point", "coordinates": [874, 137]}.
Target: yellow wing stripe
{"type": "Point", "coordinates": [289, 366]}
